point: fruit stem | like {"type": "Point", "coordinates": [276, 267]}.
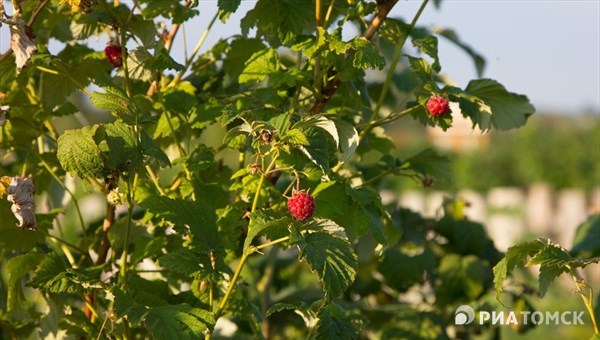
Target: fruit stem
{"type": "Point", "coordinates": [262, 180]}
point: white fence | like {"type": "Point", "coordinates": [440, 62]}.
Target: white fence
{"type": "Point", "coordinates": [511, 215]}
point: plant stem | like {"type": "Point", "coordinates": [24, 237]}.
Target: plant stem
{"type": "Point", "coordinates": [75, 202]}
{"type": "Point", "coordinates": [189, 61]}
{"type": "Point", "coordinates": [587, 300]}
{"type": "Point", "coordinates": [262, 180]}
{"type": "Point", "coordinates": [124, 58]}
{"type": "Point", "coordinates": [328, 14]}
{"type": "Point", "coordinates": [154, 179]}
{"type": "Point", "coordinates": [128, 232]}
{"type": "Point", "coordinates": [268, 244]}
{"type": "Point", "coordinates": [234, 279]}
{"type": "Point", "coordinates": [395, 59]}
{"type": "Point", "coordinates": [250, 250]}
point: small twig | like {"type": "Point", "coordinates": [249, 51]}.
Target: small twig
{"type": "Point", "coordinates": [384, 9]}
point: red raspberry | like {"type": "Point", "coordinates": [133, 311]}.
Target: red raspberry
{"type": "Point", "coordinates": [113, 54]}
{"type": "Point", "coordinates": [301, 205]}
{"type": "Point", "coordinates": [437, 106]}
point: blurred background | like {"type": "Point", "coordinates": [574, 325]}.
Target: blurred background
{"type": "Point", "coordinates": [542, 180]}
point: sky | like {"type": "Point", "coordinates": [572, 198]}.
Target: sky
{"type": "Point", "coordinates": [547, 50]}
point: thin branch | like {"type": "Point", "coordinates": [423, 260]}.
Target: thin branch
{"type": "Point", "coordinates": [32, 19]}
{"type": "Point", "coordinates": [384, 9]}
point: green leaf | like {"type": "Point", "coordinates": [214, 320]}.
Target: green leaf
{"type": "Point", "coordinates": [161, 61]}
{"type": "Point", "coordinates": [56, 87]}
{"type": "Point", "coordinates": [366, 57]}
{"type": "Point", "coordinates": [240, 50]}
{"type": "Point", "coordinates": [260, 65]}
{"type": "Point", "coordinates": [181, 261]}
{"type": "Point", "coordinates": [284, 18]}
{"type": "Point", "coordinates": [429, 163]}
{"type": "Point", "coordinates": [180, 98]}
{"type": "Point", "coordinates": [114, 100]}
{"type": "Point", "coordinates": [261, 220]}
{"type": "Point", "coordinates": [119, 145]}
{"type": "Point", "coordinates": [319, 150]}
{"type": "Point", "coordinates": [348, 138]}
{"type": "Point", "coordinates": [507, 110]}
{"type": "Point", "coordinates": [54, 275]}
{"type": "Point", "coordinates": [402, 271]}
{"type": "Point", "coordinates": [226, 7]}
{"type": "Point", "coordinates": [421, 68]}
{"type": "Point", "coordinates": [178, 322]}
{"type": "Point", "coordinates": [149, 148]}
{"type": "Point", "coordinates": [295, 137]}
{"type": "Point", "coordinates": [184, 214]}
{"type": "Point", "coordinates": [78, 153]}
{"type": "Point", "coordinates": [429, 46]}
{"type": "Point", "coordinates": [477, 58]}
{"type": "Point", "coordinates": [547, 276]}
{"type": "Point", "coordinates": [14, 238]}
{"type": "Point", "coordinates": [338, 323]}
{"type": "Point", "coordinates": [323, 123]}
{"type": "Point", "coordinates": [168, 9]}
{"type": "Point", "coordinates": [125, 305]}
{"type": "Point", "coordinates": [332, 259]}
{"type": "Point", "coordinates": [16, 268]}
{"type": "Point", "coordinates": [587, 238]}
{"type": "Point", "coordinates": [462, 279]}
{"type": "Point", "coordinates": [514, 255]}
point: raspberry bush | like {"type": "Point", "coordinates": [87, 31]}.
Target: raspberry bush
{"type": "Point", "coordinates": [195, 163]}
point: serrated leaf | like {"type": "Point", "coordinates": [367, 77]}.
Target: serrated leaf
{"type": "Point", "coordinates": [55, 276]}
{"type": "Point", "coordinates": [185, 215]}
{"type": "Point", "coordinates": [295, 137]}
{"type": "Point", "coordinates": [508, 110]}
{"type": "Point", "coordinates": [119, 144]}
{"type": "Point", "coordinates": [349, 139]}
{"type": "Point", "coordinates": [587, 238]}
{"type": "Point", "coordinates": [226, 7]}
{"type": "Point", "coordinates": [260, 65]}
{"type": "Point", "coordinates": [14, 238]}
{"type": "Point", "coordinates": [462, 278]}
{"type": "Point", "coordinates": [332, 259]}
{"type": "Point", "coordinates": [181, 261]}
{"type": "Point", "coordinates": [366, 57]}
{"type": "Point", "coordinates": [161, 61]}
{"type": "Point", "coordinates": [516, 254]}
{"type": "Point", "coordinates": [178, 322]}
{"type": "Point", "coordinates": [478, 59]}
{"type": "Point", "coordinates": [547, 276]}
{"type": "Point", "coordinates": [421, 68]}
{"type": "Point", "coordinates": [113, 99]}
{"type": "Point", "coordinates": [149, 148]}
{"type": "Point", "coordinates": [337, 323]}
{"type": "Point", "coordinates": [429, 163]}
{"type": "Point", "coordinates": [16, 268]}
{"type": "Point", "coordinates": [261, 220]}
{"type": "Point", "coordinates": [429, 46]}
{"type": "Point", "coordinates": [78, 153]}
{"type": "Point", "coordinates": [125, 305]}
{"type": "Point", "coordinates": [323, 123]}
